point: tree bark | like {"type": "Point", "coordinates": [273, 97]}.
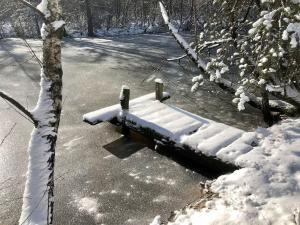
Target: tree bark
{"type": "Point", "coordinates": [181, 13]}
{"type": "Point", "coordinates": [265, 107]}
{"type": "Point", "coordinates": [37, 26]}
{"type": "Point", "coordinates": [38, 198]}
{"type": "Point", "coordinates": [89, 17]}
{"type": "Point", "coordinates": [52, 69]}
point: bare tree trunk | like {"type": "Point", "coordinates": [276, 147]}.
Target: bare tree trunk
{"type": "Point", "coordinates": [144, 16]}
{"type": "Point", "coordinates": [37, 26]}
{"type": "Point", "coordinates": [195, 22]}
{"type": "Point", "coordinates": [117, 9]}
{"type": "Point", "coordinates": [265, 107]}
{"type": "Point", "coordinates": [89, 17]}
{"type": "Point", "coordinates": [181, 13]}
{"type": "Point", "coordinates": [52, 69]}
{"type": "Point", "coordinates": [135, 10]}
{"type": "Point", "coordinates": [1, 32]}
{"type": "Point", "coordinates": [170, 7]}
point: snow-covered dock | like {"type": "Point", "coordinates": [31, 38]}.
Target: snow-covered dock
{"type": "Point", "coordinates": [263, 189]}
{"type": "Point", "coordinates": [172, 126]}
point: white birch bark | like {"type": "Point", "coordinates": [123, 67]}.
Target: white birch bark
{"type": "Point", "coordinates": [38, 194]}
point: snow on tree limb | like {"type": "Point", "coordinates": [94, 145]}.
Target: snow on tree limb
{"type": "Point", "coordinates": [28, 4]}
{"type": "Point", "coordinates": [181, 41]}
{"type": "Point", "coordinates": [43, 7]}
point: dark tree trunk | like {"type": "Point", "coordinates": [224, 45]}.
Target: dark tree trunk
{"type": "Point", "coordinates": [37, 26]}
{"type": "Point", "coordinates": [89, 17]}
{"type": "Point", "coordinates": [181, 13]}
{"type": "Point", "coordinates": [265, 107]}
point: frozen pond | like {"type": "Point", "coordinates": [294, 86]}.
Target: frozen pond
{"type": "Point", "coordinates": [102, 177]}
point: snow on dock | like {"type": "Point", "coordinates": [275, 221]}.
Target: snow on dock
{"type": "Point", "coordinates": [111, 112]}
{"type": "Point", "coordinates": [176, 127]}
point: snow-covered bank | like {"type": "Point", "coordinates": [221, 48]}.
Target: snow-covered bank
{"type": "Point", "coordinates": [131, 29]}
{"type": "Point", "coordinates": [265, 191]}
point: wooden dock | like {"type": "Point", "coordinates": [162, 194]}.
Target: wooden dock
{"type": "Point", "coordinates": [213, 144]}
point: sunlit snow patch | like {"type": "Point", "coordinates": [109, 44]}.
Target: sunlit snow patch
{"type": "Point", "coordinates": [89, 206]}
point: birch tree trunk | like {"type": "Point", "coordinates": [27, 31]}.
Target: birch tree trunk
{"type": "Point", "coordinates": [38, 194]}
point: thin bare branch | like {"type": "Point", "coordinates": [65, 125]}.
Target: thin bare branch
{"type": "Point", "coordinates": [33, 8]}
{"type": "Point", "coordinates": [29, 47]}
{"type": "Point", "coordinates": [19, 106]}
{"type": "Point", "coordinates": [33, 53]}
{"type": "Point", "coordinates": [9, 132]}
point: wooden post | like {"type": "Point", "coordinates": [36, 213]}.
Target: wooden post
{"type": "Point", "coordinates": [124, 101]}
{"type": "Point", "coordinates": [124, 97]}
{"type": "Point", "coordinates": [159, 88]}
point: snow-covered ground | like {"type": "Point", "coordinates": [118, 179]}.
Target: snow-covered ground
{"type": "Point", "coordinates": [266, 190]}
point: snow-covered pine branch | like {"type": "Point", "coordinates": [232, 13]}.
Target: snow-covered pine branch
{"type": "Point", "coordinates": [234, 49]}
{"type": "Point", "coordinates": [212, 70]}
